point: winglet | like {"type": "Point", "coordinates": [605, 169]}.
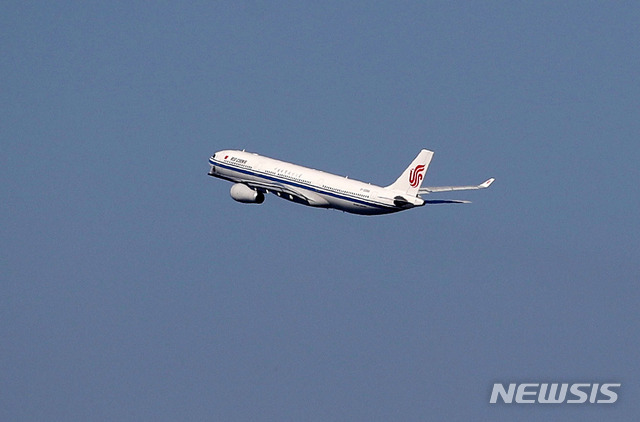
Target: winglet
{"type": "Point", "coordinates": [487, 183]}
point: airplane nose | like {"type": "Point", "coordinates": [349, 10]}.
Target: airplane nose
{"type": "Point", "coordinates": [213, 168]}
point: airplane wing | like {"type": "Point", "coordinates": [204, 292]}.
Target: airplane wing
{"type": "Point", "coordinates": [291, 193]}
{"type": "Point", "coordinates": [425, 190]}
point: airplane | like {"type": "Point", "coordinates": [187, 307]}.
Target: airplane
{"type": "Point", "coordinates": [254, 175]}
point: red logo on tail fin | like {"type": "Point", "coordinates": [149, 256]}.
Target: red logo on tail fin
{"type": "Point", "coordinates": [416, 175]}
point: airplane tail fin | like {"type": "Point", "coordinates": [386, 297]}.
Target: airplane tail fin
{"type": "Point", "coordinates": [411, 179]}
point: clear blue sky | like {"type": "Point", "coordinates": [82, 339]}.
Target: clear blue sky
{"type": "Point", "coordinates": [134, 288]}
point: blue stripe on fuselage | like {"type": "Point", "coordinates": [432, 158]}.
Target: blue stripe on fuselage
{"type": "Point", "coordinates": [290, 183]}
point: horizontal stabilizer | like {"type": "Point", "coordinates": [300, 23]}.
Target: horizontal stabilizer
{"type": "Point", "coordinates": [432, 189]}
{"type": "Point", "coordinates": [445, 201]}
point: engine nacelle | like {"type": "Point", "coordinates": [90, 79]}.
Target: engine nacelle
{"type": "Point", "coordinates": [246, 195]}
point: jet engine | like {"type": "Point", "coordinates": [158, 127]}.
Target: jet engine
{"type": "Point", "coordinates": [246, 195]}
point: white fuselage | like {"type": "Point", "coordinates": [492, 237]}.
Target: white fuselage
{"type": "Point", "coordinates": [308, 186]}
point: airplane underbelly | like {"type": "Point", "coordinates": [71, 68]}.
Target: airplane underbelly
{"type": "Point", "coordinates": [360, 207]}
